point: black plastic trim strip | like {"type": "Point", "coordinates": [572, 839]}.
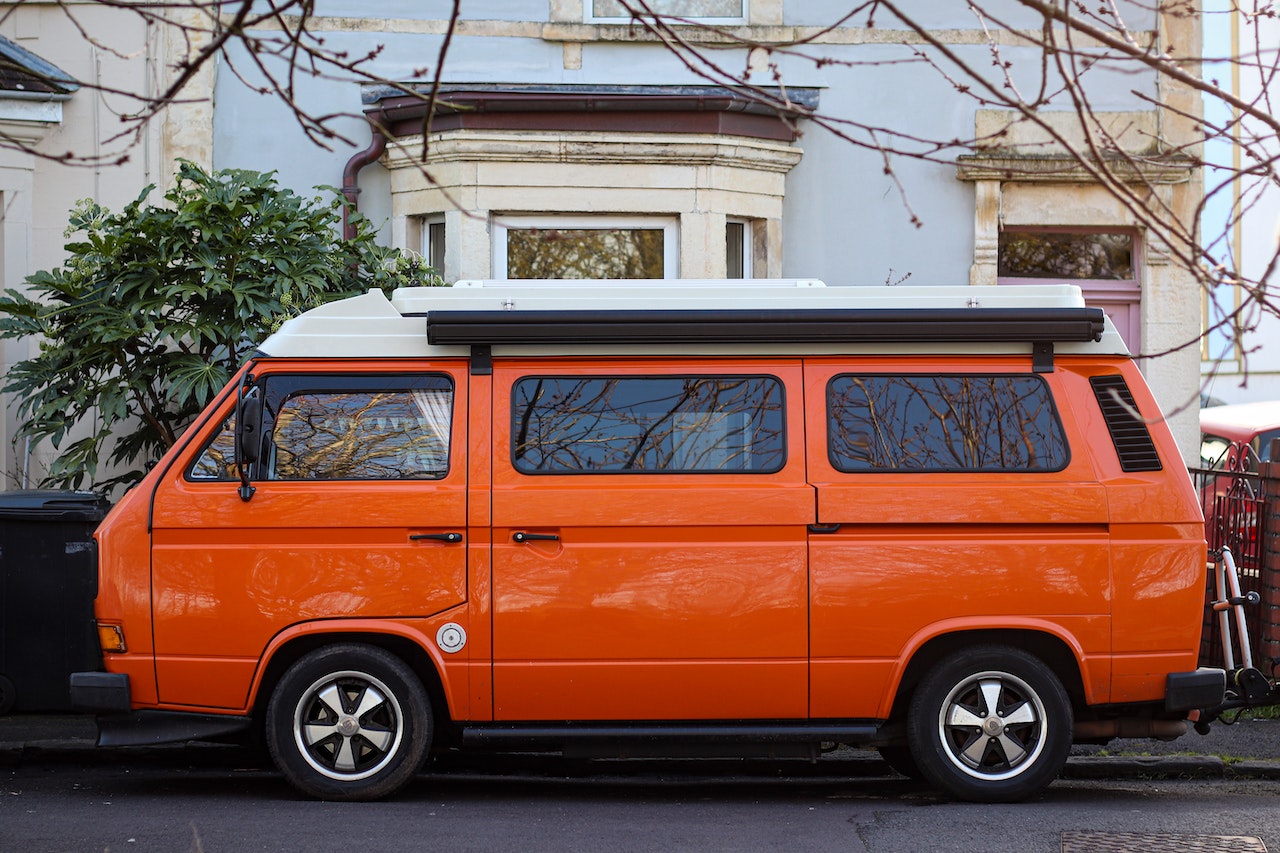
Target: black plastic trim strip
{"type": "Point", "coordinates": [145, 728]}
{"type": "Point", "coordinates": [512, 734]}
{"type": "Point", "coordinates": [808, 325]}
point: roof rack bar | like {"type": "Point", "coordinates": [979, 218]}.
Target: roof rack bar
{"type": "Point", "coordinates": [854, 325]}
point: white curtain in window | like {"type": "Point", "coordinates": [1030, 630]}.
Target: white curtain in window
{"type": "Point", "coordinates": [436, 408]}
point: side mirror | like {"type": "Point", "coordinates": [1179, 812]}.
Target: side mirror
{"type": "Point", "coordinates": [248, 437]}
{"type": "Point", "coordinates": [248, 426]}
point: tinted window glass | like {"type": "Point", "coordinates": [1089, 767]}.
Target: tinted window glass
{"type": "Point", "coordinates": [602, 425]}
{"type": "Point", "coordinates": [943, 423]}
{"type": "Point", "coordinates": [357, 428]}
{"type": "Point", "coordinates": [218, 459]}
{"type": "Point", "coordinates": [1213, 451]}
{"type": "Point", "coordinates": [586, 253]}
{"type": "Point", "coordinates": [1261, 444]}
{"type": "Point", "coordinates": [344, 428]}
{"type": "Point", "coordinates": [1066, 255]}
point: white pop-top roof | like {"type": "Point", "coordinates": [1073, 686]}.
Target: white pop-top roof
{"type": "Point", "coordinates": [371, 326]}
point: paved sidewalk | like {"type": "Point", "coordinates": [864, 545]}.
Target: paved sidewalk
{"type": "Point", "coordinates": [1249, 749]}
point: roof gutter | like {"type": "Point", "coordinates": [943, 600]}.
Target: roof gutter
{"type": "Point", "coordinates": [19, 95]}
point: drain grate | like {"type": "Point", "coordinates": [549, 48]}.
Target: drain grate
{"type": "Point", "coordinates": [1141, 842]}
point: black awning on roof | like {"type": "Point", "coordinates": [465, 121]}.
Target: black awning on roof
{"type": "Point", "coordinates": [853, 325]}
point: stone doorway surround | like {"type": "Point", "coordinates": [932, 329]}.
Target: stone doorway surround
{"type": "Point", "coordinates": [1026, 179]}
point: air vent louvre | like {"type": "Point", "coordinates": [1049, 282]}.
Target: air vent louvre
{"type": "Point", "coordinates": [1129, 434]}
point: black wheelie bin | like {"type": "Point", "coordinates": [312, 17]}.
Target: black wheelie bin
{"type": "Point", "coordinates": [48, 581]}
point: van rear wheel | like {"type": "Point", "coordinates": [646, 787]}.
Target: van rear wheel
{"type": "Point", "coordinates": [349, 722]}
{"type": "Point", "coordinates": [990, 724]}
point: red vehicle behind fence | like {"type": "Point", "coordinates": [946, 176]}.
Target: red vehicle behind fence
{"type": "Point", "coordinates": [1235, 441]}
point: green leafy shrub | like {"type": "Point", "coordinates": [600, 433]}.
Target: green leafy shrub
{"type": "Point", "coordinates": [157, 306]}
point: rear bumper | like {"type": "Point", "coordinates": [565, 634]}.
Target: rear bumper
{"type": "Point", "coordinates": [107, 695]}
{"type": "Point", "coordinates": [1206, 687]}
{"type": "Point", "coordinates": [100, 692]}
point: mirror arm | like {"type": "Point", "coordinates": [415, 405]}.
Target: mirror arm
{"type": "Point", "coordinates": [246, 489]}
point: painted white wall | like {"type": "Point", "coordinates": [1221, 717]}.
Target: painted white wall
{"type": "Point", "coordinates": [38, 192]}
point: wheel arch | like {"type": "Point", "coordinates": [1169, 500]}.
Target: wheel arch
{"type": "Point", "coordinates": [1056, 653]}
{"type": "Point", "coordinates": [414, 655]}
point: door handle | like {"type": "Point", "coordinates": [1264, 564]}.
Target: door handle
{"type": "Point", "coordinates": [439, 537]}
{"type": "Point", "coordinates": [521, 536]}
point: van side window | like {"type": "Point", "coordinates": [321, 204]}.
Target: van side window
{"type": "Point", "coordinates": [944, 423]}
{"type": "Point", "coordinates": [345, 428]}
{"type": "Point", "coordinates": [218, 459]}
{"type": "Point", "coordinates": [647, 424]}
{"type": "Point", "coordinates": [357, 427]}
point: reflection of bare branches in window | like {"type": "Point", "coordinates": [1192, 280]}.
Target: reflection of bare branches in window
{"type": "Point", "coordinates": [662, 420]}
{"type": "Point", "coordinates": [585, 253]}
{"type": "Point", "coordinates": [948, 423]}
{"type": "Point", "coordinates": [358, 436]}
{"type": "Point", "coordinates": [218, 461]}
{"type": "Point", "coordinates": [648, 424]}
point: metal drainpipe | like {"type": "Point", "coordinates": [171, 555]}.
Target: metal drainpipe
{"type": "Point", "coordinates": [351, 175]}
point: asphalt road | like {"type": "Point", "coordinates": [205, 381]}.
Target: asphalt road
{"type": "Point", "coordinates": [205, 802]}
{"type": "Point", "coordinates": [58, 793]}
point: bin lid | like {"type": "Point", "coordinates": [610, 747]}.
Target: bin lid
{"type": "Point", "coordinates": [53, 505]}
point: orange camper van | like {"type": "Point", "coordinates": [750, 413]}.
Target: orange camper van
{"type": "Point", "coordinates": [550, 515]}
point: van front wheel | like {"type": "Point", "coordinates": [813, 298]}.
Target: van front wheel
{"type": "Point", "coordinates": [349, 722]}
{"type": "Point", "coordinates": [990, 724]}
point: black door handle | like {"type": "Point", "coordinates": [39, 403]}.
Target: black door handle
{"type": "Point", "coordinates": [439, 537]}
{"type": "Point", "coordinates": [521, 536]}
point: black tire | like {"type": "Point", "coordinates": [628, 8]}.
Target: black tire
{"type": "Point", "coordinates": [349, 722]}
{"type": "Point", "coordinates": [990, 724]}
{"type": "Point", "coordinates": [8, 695]}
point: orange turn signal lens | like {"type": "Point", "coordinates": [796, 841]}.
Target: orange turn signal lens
{"type": "Point", "coordinates": [111, 638]}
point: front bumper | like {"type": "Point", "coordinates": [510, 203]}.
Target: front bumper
{"type": "Point", "coordinates": [1206, 687]}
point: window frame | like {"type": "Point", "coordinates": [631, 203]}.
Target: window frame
{"type": "Point", "coordinates": [372, 383]}
{"type": "Point", "coordinates": [589, 16]}
{"type": "Point", "coordinates": [748, 247]}
{"type": "Point", "coordinates": [669, 225]}
{"type": "Point", "coordinates": [429, 247]}
{"type": "Point", "coordinates": [1133, 233]}
{"type": "Point", "coordinates": [783, 436]}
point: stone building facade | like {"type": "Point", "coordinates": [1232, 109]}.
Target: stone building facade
{"type": "Point", "coordinates": [561, 125]}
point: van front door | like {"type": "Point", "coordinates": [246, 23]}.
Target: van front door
{"type": "Point", "coordinates": [359, 512]}
{"type": "Point", "coordinates": [649, 523]}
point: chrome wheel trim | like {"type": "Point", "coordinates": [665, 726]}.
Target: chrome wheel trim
{"type": "Point", "coordinates": [992, 726]}
{"type": "Point", "coordinates": [348, 725]}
